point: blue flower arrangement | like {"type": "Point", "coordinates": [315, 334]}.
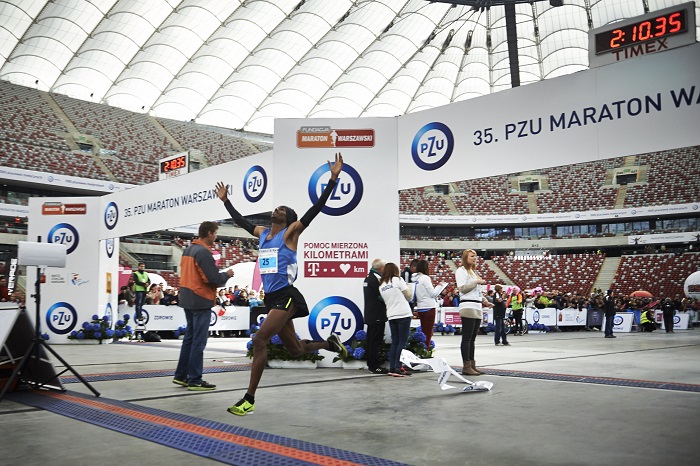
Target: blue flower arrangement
{"type": "Point", "coordinates": [356, 348]}
{"type": "Point", "coordinates": [99, 329]}
{"type": "Point", "coordinates": [417, 345]}
{"type": "Point", "coordinates": [445, 329]}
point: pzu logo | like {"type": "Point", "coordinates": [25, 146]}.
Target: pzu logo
{"type": "Point", "coordinates": [61, 318]}
{"type": "Point", "coordinates": [66, 234]}
{"type": "Point", "coordinates": [109, 246]}
{"type": "Point", "coordinates": [432, 146]}
{"type": "Point", "coordinates": [255, 183]}
{"type": "Point", "coordinates": [108, 314]}
{"type": "Point", "coordinates": [346, 195]}
{"type": "Point", "coordinates": [111, 215]}
{"type": "Point", "coordinates": [617, 320]}
{"type": "Point", "coordinates": [335, 314]}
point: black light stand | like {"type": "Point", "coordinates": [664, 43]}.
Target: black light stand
{"type": "Point", "coordinates": [35, 347]}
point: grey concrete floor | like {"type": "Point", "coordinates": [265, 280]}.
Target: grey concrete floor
{"type": "Point", "coordinates": [522, 421]}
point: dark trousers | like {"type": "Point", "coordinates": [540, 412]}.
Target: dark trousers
{"type": "Point", "coordinates": [648, 326]}
{"type": "Point", "coordinates": [470, 327]}
{"type": "Point", "coordinates": [427, 323]}
{"type": "Point", "coordinates": [518, 317]}
{"type": "Point", "coordinates": [191, 362]}
{"type": "Point", "coordinates": [668, 320]}
{"type": "Point", "coordinates": [139, 301]}
{"type": "Point", "coordinates": [400, 329]}
{"type": "Point", "coordinates": [500, 331]}
{"type": "Point", "coordinates": [609, 324]}
{"type": "Point", "coordinates": [375, 338]}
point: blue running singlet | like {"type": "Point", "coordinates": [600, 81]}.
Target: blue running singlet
{"type": "Point", "coordinates": [278, 263]}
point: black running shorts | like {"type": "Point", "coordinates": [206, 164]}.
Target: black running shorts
{"type": "Point", "coordinates": [283, 299]}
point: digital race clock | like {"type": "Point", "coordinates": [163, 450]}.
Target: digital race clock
{"type": "Point", "coordinates": [653, 32]}
{"type": "Point", "coordinates": [653, 28]}
{"type": "Point", "coordinates": [175, 165]}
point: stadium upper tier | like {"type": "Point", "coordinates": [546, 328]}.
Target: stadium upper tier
{"type": "Point", "coordinates": [660, 274]}
{"type": "Point", "coordinates": [58, 134]}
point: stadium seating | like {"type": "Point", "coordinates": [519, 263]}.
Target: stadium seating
{"type": "Point", "coordinates": [27, 118]}
{"type": "Point", "coordinates": [171, 278]}
{"type": "Point", "coordinates": [578, 187]}
{"type": "Point", "coordinates": [662, 275]}
{"type": "Point", "coordinates": [217, 147]}
{"type": "Point", "coordinates": [440, 270]}
{"type": "Point", "coordinates": [415, 201]}
{"type": "Point", "coordinates": [489, 196]}
{"type": "Point", "coordinates": [568, 273]}
{"type": "Point", "coordinates": [132, 135]}
{"type": "Point", "coordinates": [672, 178]}
{"type": "Point", "coordinates": [49, 159]}
{"type": "Point", "coordinates": [232, 254]}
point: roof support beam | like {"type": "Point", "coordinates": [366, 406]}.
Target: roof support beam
{"type": "Point", "coordinates": [512, 37]}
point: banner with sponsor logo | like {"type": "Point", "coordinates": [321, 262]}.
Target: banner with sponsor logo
{"type": "Point", "coordinates": [636, 106]}
{"type": "Point", "coordinates": [189, 199]}
{"type": "Point", "coordinates": [169, 318]}
{"type": "Point", "coordinates": [72, 295]}
{"type": "Point", "coordinates": [629, 214]}
{"type": "Point", "coordinates": [358, 224]}
{"type": "Point", "coordinates": [59, 180]}
{"type": "Point", "coordinates": [678, 237]}
{"type": "Point", "coordinates": [571, 317]}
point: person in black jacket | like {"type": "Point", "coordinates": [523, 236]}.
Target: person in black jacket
{"type": "Point", "coordinates": [375, 317]}
{"type": "Point", "coordinates": [669, 310]}
{"type": "Point", "coordinates": [609, 306]}
{"type": "Point", "coordinates": [499, 315]}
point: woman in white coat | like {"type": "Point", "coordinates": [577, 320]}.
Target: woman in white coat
{"type": "Point", "coordinates": [471, 302]}
{"type": "Point", "coordinates": [396, 294]}
{"type": "Point", "coordinates": [425, 299]}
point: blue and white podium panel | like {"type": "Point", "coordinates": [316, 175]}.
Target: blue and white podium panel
{"type": "Point", "coordinates": [622, 322]}
{"type": "Point", "coordinates": [546, 316]}
{"type": "Point", "coordinates": [170, 318]}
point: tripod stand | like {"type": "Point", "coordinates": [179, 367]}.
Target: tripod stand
{"type": "Point", "coordinates": [34, 353]}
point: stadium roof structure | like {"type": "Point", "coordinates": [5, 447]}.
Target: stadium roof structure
{"type": "Point", "coordinates": [241, 63]}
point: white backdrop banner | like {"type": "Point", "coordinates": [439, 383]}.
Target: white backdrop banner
{"type": "Point", "coordinates": [637, 106]}
{"type": "Point", "coordinates": [359, 223]}
{"type": "Point", "coordinates": [88, 284]}
{"type": "Point", "coordinates": [189, 199]}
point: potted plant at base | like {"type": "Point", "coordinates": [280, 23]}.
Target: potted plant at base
{"type": "Point", "coordinates": [356, 358]}
{"type": "Point", "coordinates": [122, 329]}
{"type": "Point", "coordinates": [279, 358]}
{"type": "Point", "coordinates": [357, 352]}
